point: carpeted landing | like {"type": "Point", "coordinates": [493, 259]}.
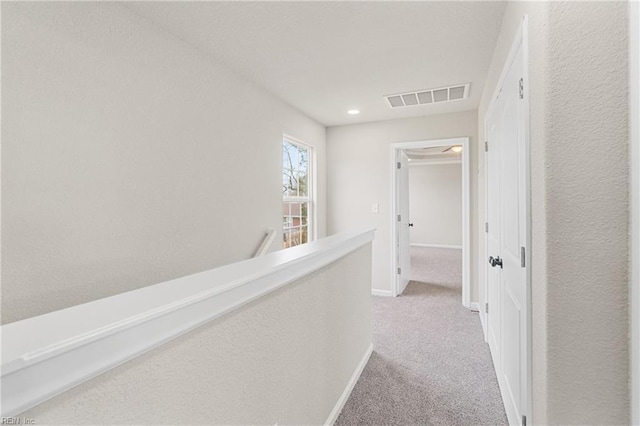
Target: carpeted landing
{"type": "Point", "coordinates": [430, 364]}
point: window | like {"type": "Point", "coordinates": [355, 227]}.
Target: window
{"type": "Point", "coordinates": [297, 199]}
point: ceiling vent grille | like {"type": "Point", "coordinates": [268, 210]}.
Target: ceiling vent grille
{"type": "Point", "coordinates": [429, 96]}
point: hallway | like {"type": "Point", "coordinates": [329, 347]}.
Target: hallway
{"type": "Point", "coordinates": [430, 364]}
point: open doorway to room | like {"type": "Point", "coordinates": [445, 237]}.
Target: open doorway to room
{"type": "Point", "coordinates": [435, 211]}
{"type": "Point", "coordinates": [430, 201]}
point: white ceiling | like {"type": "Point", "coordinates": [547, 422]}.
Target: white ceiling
{"type": "Point", "coordinates": [327, 57]}
{"type": "Point", "coordinates": [433, 154]}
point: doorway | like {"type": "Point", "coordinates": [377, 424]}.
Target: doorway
{"type": "Point", "coordinates": [401, 220]}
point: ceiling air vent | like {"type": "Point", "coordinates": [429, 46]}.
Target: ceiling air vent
{"type": "Point", "coordinates": [429, 96]}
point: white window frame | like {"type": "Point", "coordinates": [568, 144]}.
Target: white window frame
{"type": "Point", "coordinates": [311, 185]}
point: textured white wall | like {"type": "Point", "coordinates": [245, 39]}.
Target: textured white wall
{"type": "Point", "coordinates": [435, 197]}
{"type": "Point", "coordinates": [129, 157]}
{"type": "Point", "coordinates": [578, 85]}
{"type": "Point", "coordinates": [360, 175]}
{"type": "Point", "coordinates": [283, 359]}
{"type": "Point", "coordinates": [634, 93]}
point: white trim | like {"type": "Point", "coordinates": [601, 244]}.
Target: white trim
{"type": "Point", "coordinates": [382, 293]}
{"type": "Point", "coordinates": [527, 185]}
{"type": "Point", "coordinates": [266, 243]}
{"type": "Point", "coordinates": [483, 321]}
{"type": "Point", "coordinates": [46, 355]}
{"type": "Point", "coordinates": [634, 146]}
{"type": "Point", "coordinates": [436, 246]}
{"type": "Point", "coordinates": [466, 209]}
{"type": "Point", "coordinates": [474, 306]}
{"type": "Point", "coordinates": [434, 162]}
{"type": "Point", "coordinates": [483, 271]}
{"type": "Point", "coordinates": [333, 416]}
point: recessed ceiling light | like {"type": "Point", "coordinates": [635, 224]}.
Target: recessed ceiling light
{"type": "Point", "coordinates": [353, 112]}
{"type": "Point", "coordinates": [456, 148]}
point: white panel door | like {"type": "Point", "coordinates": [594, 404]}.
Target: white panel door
{"type": "Point", "coordinates": [513, 242]}
{"type": "Point", "coordinates": [506, 241]}
{"type": "Point", "coordinates": [403, 261]}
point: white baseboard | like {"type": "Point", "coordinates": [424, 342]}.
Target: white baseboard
{"type": "Point", "coordinates": [333, 416]}
{"type": "Point", "coordinates": [383, 293]}
{"type": "Point", "coordinates": [474, 306]}
{"type": "Point", "coordinates": [483, 323]}
{"type": "Point", "coordinates": [436, 246]}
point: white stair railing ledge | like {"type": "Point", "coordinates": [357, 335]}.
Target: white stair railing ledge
{"type": "Point", "coordinates": [46, 355]}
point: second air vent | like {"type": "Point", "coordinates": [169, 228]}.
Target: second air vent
{"type": "Point", "coordinates": [429, 96]}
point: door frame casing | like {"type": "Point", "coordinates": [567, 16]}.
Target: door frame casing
{"type": "Point", "coordinates": [521, 40]}
{"type": "Point", "coordinates": [466, 209]}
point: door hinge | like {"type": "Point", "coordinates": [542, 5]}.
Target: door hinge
{"type": "Point", "coordinates": [398, 165]}
{"type": "Point", "coordinates": [486, 227]}
{"type": "Point", "coordinates": [524, 420]}
{"type": "Point", "coordinates": [486, 146]}
{"type": "Point", "coordinates": [522, 257]}
{"type": "Point", "coordinates": [521, 87]}
{"type": "Point", "coordinates": [399, 218]}
{"type": "Point", "coordinates": [399, 271]}
{"type": "Point", "coordinates": [486, 308]}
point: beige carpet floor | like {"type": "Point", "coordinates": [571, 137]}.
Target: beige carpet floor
{"type": "Point", "coordinates": [430, 364]}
